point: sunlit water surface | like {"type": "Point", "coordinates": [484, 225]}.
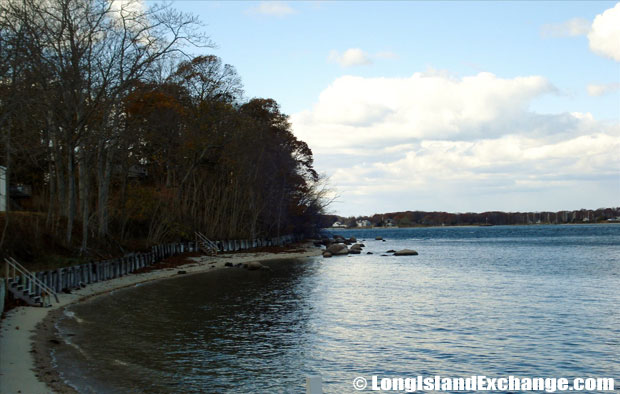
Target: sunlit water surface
{"type": "Point", "coordinates": [535, 301]}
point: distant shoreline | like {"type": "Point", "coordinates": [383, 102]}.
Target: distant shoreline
{"type": "Point", "coordinates": [471, 225]}
{"type": "Point", "coordinates": [497, 218]}
{"type": "Point", "coordinates": [27, 334]}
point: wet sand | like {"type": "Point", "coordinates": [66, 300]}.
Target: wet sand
{"type": "Point", "coordinates": [28, 334]}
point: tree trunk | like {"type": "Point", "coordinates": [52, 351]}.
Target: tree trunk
{"type": "Point", "coordinates": [52, 197]}
{"type": "Point", "coordinates": [84, 197]}
{"type": "Point", "coordinates": [60, 176]}
{"type": "Point", "coordinates": [104, 175]}
{"type": "Point", "coordinates": [71, 194]}
{"type": "Point", "coordinates": [7, 189]}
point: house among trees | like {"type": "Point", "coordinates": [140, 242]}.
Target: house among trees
{"type": "Point", "coordinates": [363, 223]}
{"type": "Point", "coordinates": [339, 225]}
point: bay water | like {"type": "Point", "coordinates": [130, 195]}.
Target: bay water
{"type": "Point", "coordinates": [528, 301]}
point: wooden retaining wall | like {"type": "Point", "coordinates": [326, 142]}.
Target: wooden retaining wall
{"type": "Point", "coordinates": [77, 276]}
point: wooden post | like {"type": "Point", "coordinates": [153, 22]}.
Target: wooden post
{"type": "Point", "coordinates": [65, 277]}
{"type": "Point", "coordinates": [89, 273]}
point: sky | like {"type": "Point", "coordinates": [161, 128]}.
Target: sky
{"type": "Point", "coordinates": [439, 106]}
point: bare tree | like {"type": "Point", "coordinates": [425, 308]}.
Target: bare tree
{"type": "Point", "coordinates": [90, 53]}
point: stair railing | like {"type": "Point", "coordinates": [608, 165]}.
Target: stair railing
{"type": "Point", "coordinates": [206, 244]}
{"type": "Point", "coordinates": [15, 267]}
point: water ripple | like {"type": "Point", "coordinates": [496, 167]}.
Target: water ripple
{"type": "Point", "coordinates": [526, 301]}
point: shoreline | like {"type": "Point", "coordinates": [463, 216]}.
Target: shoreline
{"type": "Point", "coordinates": [27, 332]}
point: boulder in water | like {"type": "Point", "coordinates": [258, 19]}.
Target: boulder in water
{"type": "Point", "coordinates": [338, 249]}
{"type": "Point", "coordinates": [406, 252]}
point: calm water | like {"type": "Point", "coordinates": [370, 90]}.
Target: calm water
{"type": "Point", "coordinates": [526, 301]}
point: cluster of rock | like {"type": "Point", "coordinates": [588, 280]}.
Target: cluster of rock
{"type": "Point", "coordinates": [340, 249]}
{"type": "Point", "coordinates": [341, 246]}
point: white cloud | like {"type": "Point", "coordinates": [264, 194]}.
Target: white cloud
{"type": "Point", "coordinates": [127, 7]}
{"type": "Point", "coordinates": [425, 105]}
{"type": "Point", "coordinates": [350, 57]}
{"type": "Point", "coordinates": [603, 89]}
{"type": "Point", "coordinates": [272, 8]}
{"type": "Point", "coordinates": [605, 34]}
{"type": "Point", "coordinates": [570, 28]}
{"type": "Point", "coordinates": [357, 57]}
{"type": "Point", "coordinates": [413, 143]}
{"type": "Point", "coordinates": [386, 55]}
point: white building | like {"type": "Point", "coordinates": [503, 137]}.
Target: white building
{"type": "Point", "coordinates": [339, 225]}
{"type": "Point", "coordinates": [364, 223]}
{"type": "Point", "coordinates": [3, 198]}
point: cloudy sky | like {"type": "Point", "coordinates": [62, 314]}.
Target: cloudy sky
{"type": "Point", "coordinates": [449, 106]}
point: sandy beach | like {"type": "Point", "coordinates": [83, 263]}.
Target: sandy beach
{"type": "Point", "coordinates": [26, 332]}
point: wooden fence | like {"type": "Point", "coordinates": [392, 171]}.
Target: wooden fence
{"type": "Point", "coordinates": [77, 276]}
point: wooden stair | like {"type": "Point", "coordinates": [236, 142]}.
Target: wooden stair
{"type": "Point", "coordinates": [26, 286]}
{"type": "Point", "coordinates": [207, 246]}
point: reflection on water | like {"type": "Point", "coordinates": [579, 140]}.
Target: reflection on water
{"type": "Point", "coordinates": [527, 301]}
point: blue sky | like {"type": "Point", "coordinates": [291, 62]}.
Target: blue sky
{"type": "Point", "coordinates": [456, 106]}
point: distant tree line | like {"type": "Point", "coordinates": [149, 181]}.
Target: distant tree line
{"type": "Point", "coordinates": [421, 218]}
{"type": "Point", "coordinates": [119, 135]}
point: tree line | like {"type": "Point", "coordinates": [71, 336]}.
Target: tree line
{"type": "Point", "coordinates": [122, 135]}
{"type": "Point", "coordinates": [422, 218]}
